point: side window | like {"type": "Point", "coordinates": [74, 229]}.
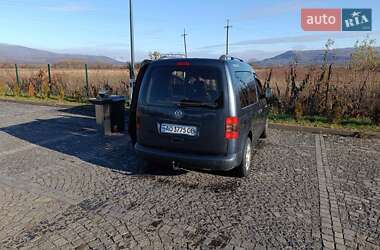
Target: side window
{"type": "Point", "coordinates": [243, 79]}
{"type": "Point", "coordinates": [247, 88]}
{"type": "Point", "coordinates": [259, 87]}
{"type": "Point", "coordinates": [252, 90]}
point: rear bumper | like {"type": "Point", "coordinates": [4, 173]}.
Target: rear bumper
{"type": "Point", "coordinates": [210, 162]}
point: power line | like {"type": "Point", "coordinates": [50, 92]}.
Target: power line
{"type": "Point", "coordinates": [227, 27]}
{"type": "Point", "coordinates": [184, 41]}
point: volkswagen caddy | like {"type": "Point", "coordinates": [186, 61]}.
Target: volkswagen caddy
{"type": "Point", "coordinates": [200, 113]}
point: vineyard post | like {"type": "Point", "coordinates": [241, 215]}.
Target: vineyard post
{"type": "Point", "coordinates": [17, 76]}
{"type": "Point", "coordinates": [86, 80]}
{"type": "Point", "coordinates": [49, 75]}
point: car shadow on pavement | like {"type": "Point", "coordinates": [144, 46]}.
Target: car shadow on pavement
{"type": "Point", "coordinates": [75, 134]}
{"type": "Point", "coordinates": [85, 110]}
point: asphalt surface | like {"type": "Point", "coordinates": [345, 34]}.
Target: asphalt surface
{"type": "Point", "coordinates": [62, 185]}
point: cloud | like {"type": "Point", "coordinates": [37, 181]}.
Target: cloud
{"type": "Point", "coordinates": [275, 9]}
{"type": "Point", "coordinates": [296, 39]}
{"type": "Point", "coordinates": [70, 7]}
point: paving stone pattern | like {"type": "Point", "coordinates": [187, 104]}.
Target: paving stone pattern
{"type": "Point", "coordinates": [63, 186]}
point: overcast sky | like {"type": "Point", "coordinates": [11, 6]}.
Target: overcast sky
{"type": "Point", "coordinates": [101, 27]}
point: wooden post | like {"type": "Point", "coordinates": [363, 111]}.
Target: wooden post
{"type": "Point", "coordinates": [49, 76]}
{"type": "Point", "coordinates": [86, 80]}
{"type": "Point", "coordinates": [17, 76]}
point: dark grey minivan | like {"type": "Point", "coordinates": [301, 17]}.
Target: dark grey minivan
{"type": "Point", "coordinates": [199, 113]}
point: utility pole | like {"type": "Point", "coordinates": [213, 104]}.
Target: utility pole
{"type": "Point", "coordinates": [227, 27]}
{"type": "Point", "coordinates": [184, 41]}
{"type": "Point", "coordinates": [132, 66]}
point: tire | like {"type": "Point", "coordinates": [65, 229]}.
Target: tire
{"type": "Point", "coordinates": [243, 169]}
{"type": "Point", "coordinates": [264, 135]}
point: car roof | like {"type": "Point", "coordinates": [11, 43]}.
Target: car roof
{"type": "Point", "coordinates": [234, 64]}
{"type": "Point", "coordinates": [173, 61]}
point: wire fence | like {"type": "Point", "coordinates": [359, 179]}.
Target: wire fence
{"type": "Point", "coordinates": [72, 84]}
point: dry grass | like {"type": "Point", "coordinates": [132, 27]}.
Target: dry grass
{"type": "Point", "coordinates": [327, 90]}
{"type": "Point", "coordinates": [332, 91]}
{"type": "Point", "coordinates": [70, 81]}
{"type": "Point", "coordinates": [340, 76]}
{"type": "Point", "coordinates": [336, 92]}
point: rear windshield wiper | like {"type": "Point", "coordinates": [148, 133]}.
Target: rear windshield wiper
{"type": "Point", "coordinates": [189, 103]}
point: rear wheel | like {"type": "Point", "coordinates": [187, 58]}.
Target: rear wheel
{"type": "Point", "coordinates": [243, 169]}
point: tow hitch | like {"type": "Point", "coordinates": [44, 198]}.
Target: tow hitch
{"type": "Point", "coordinates": [175, 166]}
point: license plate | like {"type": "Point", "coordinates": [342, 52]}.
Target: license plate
{"type": "Point", "coordinates": [178, 129]}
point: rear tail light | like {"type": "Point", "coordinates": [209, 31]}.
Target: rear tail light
{"type": "Point", "coordinates": [232, 129]}
{"type": "Point", "coordinates": [138, 123]}
{"type": "Point", "coordinates": [183, 63]}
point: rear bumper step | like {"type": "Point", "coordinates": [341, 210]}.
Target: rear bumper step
{"type": "Point", "coordinates": [211, 162]}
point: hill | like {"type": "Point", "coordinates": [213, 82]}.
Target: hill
{"type": "Point", "coordinates": [24, 55]}
{"type": "Point", "coordinates": [308, 57]}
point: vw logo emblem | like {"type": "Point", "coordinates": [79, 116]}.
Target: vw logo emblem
{"type": "Point", "coordinates": [178, 114]}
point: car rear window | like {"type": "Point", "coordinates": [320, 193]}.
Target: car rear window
{"type": "Point", "coordinates": [170, 85]}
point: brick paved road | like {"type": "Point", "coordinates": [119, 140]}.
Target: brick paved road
{"type": "Point", "coordinates": [63, 186]}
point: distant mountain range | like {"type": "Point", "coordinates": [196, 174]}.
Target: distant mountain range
{"type": "Point", "coordinates": [23, 55]}
{"type": "Point", "coordinates": [337, 56]}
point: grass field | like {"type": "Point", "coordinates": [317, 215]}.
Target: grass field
{"type": "Point", "coordinates": [73, 78]}
{"type": "Point", "coordinates": [341, 75]}
{"type": "Point", "coordinates": [334, 92]}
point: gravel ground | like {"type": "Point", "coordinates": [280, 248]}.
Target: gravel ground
{"type": "Point", "coordinates": [64, 186]}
